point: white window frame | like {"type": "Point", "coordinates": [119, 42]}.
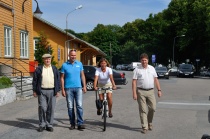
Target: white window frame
{"type": "Point", "coordinates": [36, 40]}
{"type": "Point", "coordinates": [7, 41]}
{"type": "Point", "coordinates": [24, 44]}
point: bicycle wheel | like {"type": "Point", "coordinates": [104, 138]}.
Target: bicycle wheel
{"type": "Point", "coordinates": [104, 115]}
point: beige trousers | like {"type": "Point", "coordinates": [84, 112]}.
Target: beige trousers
{"type": "Point", "coordinates": [147, 106]}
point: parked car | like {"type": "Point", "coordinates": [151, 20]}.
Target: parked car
{"type": "Point", "coordinates": [173, 71]}
{"type": "Point", "coordinates": [89, 71]}
{"type": "Point", "coordinates": [124, 66]}
{"type": "Point", "coordinates": [133, 65]}
{"type": "Point", "coordinates": [208, 73]}
{"type": "Point", "coordinates": [203, 72]}
{"type": "Point", "coordinates": [119, 67]}
{"type": "Point", "coordinates": [186, 70]}
{"type": "Point", "coordinates": [129, 67]}
{"type": "Point", "coordinates": [162, 72]}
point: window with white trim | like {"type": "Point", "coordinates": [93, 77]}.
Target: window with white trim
{"type": "Point", "coordinates": [7, 41]}
{"type": "Point", "coordinates": [36, 40]}
{"type": "Point", "coordinates": [23, 44]}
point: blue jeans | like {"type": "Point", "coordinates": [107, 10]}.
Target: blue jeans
{"type": "Point", "coordinates": [71, 95]}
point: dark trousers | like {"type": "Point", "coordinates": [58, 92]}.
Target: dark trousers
{"type": "Point", "coordinates": [46, 102]}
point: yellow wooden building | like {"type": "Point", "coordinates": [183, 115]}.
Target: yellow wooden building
{"type": "Point", "coordinates": [62, 42]}
{"type": "Point", "coordinates": [19, 29]}
{"type": "Point", "coordinates": [16, 36]}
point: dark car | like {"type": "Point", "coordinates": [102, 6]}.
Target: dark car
{"type": "Point", "coordinates": [89, 72]}
{"type": "Point", "coordinates": [162, 72]}
{"type": "Point", "coordinates": [203, 72]}
{"type": "Point", "coordinates": [173, 71]}
{"type": "Point", "coordinates": [208, 73]}
{"type": "Point", "coordinates": [185, 70]}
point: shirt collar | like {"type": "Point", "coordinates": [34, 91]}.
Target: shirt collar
{"type": "Point", "coordinates": [70, 62]}
{"type": "Point", "coordinates": [46, 66]}
{"type": "Point", "coordinates": [145, 68]}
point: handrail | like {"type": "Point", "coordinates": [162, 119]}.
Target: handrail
{"type": "Point", "coordinates": [21, 77]}
{"type": "Point", "coordinates": [18, 61]}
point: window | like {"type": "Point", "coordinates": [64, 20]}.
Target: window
{"type": "Point", "coordinates": [7, 41]}
{"type": "Point", "coordinates": [23, 44]}
{"type": "Point", "coordinates": [36, 40]}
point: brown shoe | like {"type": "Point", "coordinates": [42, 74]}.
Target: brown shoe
{"type": "Point", "coordinates": [110, 115]}
{"type": "Point", "coordinates": [81, 127]}
{"type": "Point", "coordinates": [150, 127]}
{"type": "Point", "coordinates": [144, 131]}
{"type": "Point", "coordinates": [50, 129]}
{"type": "Point", "coordinates": [72, 127]}
{"type": "Point", "coordinates": [40, 129]}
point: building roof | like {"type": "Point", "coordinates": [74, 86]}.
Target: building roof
{"type": "Point", "coordinates": [71, 35]}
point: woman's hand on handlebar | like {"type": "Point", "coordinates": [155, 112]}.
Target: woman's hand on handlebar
{"type": "Point", "coordinates": [114, 87]}
{"type": "Point", "coordinates": [95, 88]}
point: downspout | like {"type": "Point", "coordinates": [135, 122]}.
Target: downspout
{"type": "Point", "coordinates": [14, 34]}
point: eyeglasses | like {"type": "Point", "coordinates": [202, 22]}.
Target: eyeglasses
{"type": "Point", "coordinates": [73, 50]}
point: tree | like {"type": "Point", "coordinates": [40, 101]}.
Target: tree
{"type": "Point", "coordinates": [43, 47]}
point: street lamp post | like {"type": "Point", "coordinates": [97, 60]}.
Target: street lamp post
{"type": "Point", "coordinates": [37, 12]}
{"type": "Point", "coordinates": [78, 7]}
{"type": "Point", "coordinates": [173, 48]}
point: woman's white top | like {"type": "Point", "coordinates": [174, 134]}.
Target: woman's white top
{"type": "Point", "coordinates": [103, 77]}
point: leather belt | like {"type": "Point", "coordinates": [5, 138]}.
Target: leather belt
{"type": "Point", "coordinates": [47, 88]}
{"type": "Point", "coordinates": [148, 89]}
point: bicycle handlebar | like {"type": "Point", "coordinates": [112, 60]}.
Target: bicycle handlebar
{"type": "Point", "coordinates": [104, 88]}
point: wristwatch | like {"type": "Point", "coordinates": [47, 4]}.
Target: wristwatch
{"type": "Point", "coordinates": [159, 90]}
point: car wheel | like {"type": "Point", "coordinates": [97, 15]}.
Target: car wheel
{"type": "Point", "coordinates": [89, 85]}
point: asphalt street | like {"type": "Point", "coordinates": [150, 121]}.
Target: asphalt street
{"type": "Point", "coordinates": [183, 112]}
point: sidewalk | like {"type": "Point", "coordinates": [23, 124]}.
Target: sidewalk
{"type": "Point", "coordinates": [173, 119]}
{"type": "Point", "coordinates": [19, 120]}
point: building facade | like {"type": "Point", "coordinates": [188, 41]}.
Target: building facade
{"type": "Point", "coordinates": [16, 36]}
{"type": "Point", "coordinates": [19, 30]}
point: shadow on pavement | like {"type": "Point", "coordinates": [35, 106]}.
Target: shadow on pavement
{"type": "Point", "coordinates": [21, 123]}
{"type": "Point", "coordinates": [95, 125]}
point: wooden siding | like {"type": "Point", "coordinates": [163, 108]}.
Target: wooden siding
{"type": "Point", "coordinates": [56, 40]}
{"type": "Point", "coordinates": [18, 21]}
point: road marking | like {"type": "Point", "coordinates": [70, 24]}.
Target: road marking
{"type": "Point", "coordinates": [174, 103]}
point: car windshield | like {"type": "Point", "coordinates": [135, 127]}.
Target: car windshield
{"type": "Point", "coordinates": [161, 68]}
{"type": "Point", "coordinates": [186, 66]}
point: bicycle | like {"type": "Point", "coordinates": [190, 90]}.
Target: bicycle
{"type": "Point", "coordinates": [105, 109]}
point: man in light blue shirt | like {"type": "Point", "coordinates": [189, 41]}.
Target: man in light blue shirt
{"type": "Point", "coordinates": [72, 74]}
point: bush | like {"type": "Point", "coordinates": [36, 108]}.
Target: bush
{"type": "Point", "coordinates": [5, 82]}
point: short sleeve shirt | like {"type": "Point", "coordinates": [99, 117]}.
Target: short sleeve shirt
{"type": "Point", "coordinates": [145, 76]}
{"type": "Point", "coordinates": [72, 74]}
{"type": "Point", "coordinates": [103, 77]}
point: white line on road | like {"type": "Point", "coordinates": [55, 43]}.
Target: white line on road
{"type": "Point", "coordinates": [174, 103]}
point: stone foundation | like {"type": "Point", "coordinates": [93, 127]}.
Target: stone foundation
{"type": "Point", "coordinates": [7, 95]}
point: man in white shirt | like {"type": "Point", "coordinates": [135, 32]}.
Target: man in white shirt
{"type": "Point", "coordinates": [144, 78]}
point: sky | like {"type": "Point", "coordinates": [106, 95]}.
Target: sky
{"type": "Point", "coordinates": [93, 12]}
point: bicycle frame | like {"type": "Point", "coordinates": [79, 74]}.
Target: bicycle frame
{"type": "Point", "coordinates": [105, 109]}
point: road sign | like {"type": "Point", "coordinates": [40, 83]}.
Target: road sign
{"type": "Point", "coordinates": [153, 58]}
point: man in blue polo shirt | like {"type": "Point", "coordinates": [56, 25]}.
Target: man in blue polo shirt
{"type": "Point", "coordinates": [72, 74]}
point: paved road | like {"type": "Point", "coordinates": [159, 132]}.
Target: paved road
{"type": "Point", "coordinates": [182, 113]}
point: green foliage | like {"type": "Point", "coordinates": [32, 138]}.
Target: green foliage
{"type": "Point", "coordinates": [156, 34]}
{"type": "Point", "coordinates": [43, 47]}
{"type": "Point", "coordinates": [5, 82]}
